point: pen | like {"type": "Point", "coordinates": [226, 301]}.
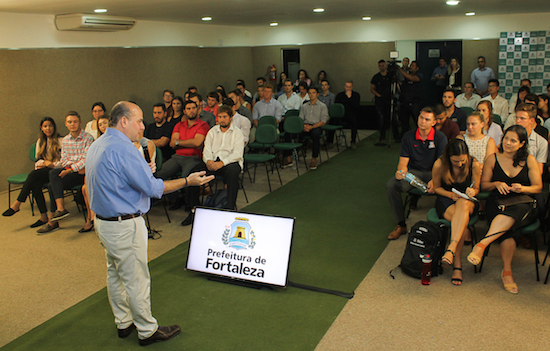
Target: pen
{"type": "Point", "coordinates": [471, 185]}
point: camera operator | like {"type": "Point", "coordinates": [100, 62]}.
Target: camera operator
{"type": "Point", "coordinates": [380, 87]}
{"type": "Point", "coordinates": [410, 96]}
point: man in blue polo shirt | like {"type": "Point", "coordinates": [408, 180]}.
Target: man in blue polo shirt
{"type": "Point", "coordinates": [419, 150]}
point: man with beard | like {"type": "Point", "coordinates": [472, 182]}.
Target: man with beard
{"type": "Point", "coordinates": [204, 116]}
{"type": "Point", "coordinates": [454, 113]}
{"type": "Point", "coordinates": [160, 132]}
{"type": "Point", "coordinates": [187, 139]}
{"type": "Point", "coordinates": [222, 156]}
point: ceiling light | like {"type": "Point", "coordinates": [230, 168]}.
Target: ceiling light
{"type": "Point", "coordinates": [318, 10]}
{"type": "Point", "coordinates": [207, 18]}
{"type": "Point", "coordinates": [100, 10]}
{"type": "Point", "coordinates": [274, 24]}
{"type": "Point", "coordinates": [470, 13]}
{"type": "Point", "coordinates": [452, 2]}
{"type": "Point", "coordinates": [367, 18]}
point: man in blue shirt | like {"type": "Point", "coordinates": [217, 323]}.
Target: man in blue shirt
{"type": "Point", "coordinates": [120, 183]}
{"type": "Point", "coordinates": [439, 77]}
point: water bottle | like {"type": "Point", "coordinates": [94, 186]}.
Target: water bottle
{"type": "Point", "coordinates": [426, 270]}
{"type": "Point", "coordinates": [294, 159]}
{"type": "Point", "coordinates": [416, 182]}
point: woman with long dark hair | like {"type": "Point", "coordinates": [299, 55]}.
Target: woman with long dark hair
{"type": "Point", "coordinates": [98, 110]}
{"type": "Point", "coordinates": [509, 175]}
{"type": "Point", "coordinates": [48, 154]}
{"type": "Point", "coordinates": [177, 106]}
{"type": "Point", "coordinates": [456, 169]}
{"type": "Point", "coordinates": [491, 129]}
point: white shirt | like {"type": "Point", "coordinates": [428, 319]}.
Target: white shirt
{"type": "Point", "coordinates": [228, 145]}
{"type": "Point", "coordinates": [500, 106]}
{"type": "Point", "coordinates": [243, 124]}
{"type": "Point", "coordinates": [290, 103]}
{"type": "Point", "coordinates": [495, 132]}
{"type": "Point", "coordinates": [538, 147]}
{"type": "Point", "coordinates": [304, 99]}
{"type": "Point", "coordinates": [462, 101]}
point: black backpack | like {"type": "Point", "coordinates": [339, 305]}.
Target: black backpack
{"type": "Point", "coordinates": [424, 238]}
{"type": "Point", "coordinates": [217, 200]}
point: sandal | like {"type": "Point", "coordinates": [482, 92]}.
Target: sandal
{"type": "Point", "coordinates": [475, 259]}
{"type": "Point", "coordinates": [456, 280]}
{"type": "Point", "coordinates": [512, 288]}
{"type": "Point", "coordinates": [446, 259]}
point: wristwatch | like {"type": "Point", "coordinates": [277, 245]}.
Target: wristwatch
{"type": "Point", "coordinates": [177, 142]}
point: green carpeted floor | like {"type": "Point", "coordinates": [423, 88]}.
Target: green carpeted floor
{"type": "Point", "coordinates": [343, 219]}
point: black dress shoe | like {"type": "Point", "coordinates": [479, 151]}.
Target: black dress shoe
{"type": "Point", "coordinates": [38, 223]}
{"type": "Point", "coordinates": [162, 334]}
{"type": "Point", "coordinates": [188, 220]}
{"type": "Point", "coordinates": [123, 333]}
{"type": "Point", "coordinates": [9, 212]}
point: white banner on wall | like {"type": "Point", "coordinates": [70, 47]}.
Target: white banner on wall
{"type": "Point", "coordinates": [524, 55]}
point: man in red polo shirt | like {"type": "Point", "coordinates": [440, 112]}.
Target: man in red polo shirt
{"type": "Point", "coordinates": [419, 150]}
{"type": "Point", "coordinates": [187, 139]}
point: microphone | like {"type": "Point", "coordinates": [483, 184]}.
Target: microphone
{"type": "Point", "coordinates": [143, 143]}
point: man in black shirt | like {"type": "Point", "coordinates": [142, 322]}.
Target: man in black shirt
{"type": "Point", "coordinates": [351, 100]}
{"type": "Point", "coordinates": [160, 132]}
{"type": "Point", "coordinates": [411, 97]}
{"type": "Point", "coordinates": [380, 87]}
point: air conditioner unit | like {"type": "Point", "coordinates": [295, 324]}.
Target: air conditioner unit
{"type": "Point", "coordinates": [89, 22]}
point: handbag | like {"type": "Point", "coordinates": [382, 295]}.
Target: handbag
{"type": "Point", "coordinates": [504, 202]}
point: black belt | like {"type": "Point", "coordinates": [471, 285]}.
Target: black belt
{"type": "Point", "coordinates": [119, 218]}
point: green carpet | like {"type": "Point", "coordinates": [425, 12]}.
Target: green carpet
{"type": "Point", "coordinates": [342, 220]}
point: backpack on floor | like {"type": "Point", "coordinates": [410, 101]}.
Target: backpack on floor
{"type": "Point", "coordinates": [217, 200]}
{"type": "Point", "coordinates": [424, 238]}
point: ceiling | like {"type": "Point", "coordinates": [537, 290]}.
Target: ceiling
{"type": "Point", "coordinates": [285, 12]}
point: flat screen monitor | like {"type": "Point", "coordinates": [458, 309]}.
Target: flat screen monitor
{"type": "Point", "coordinates": [243, 246]}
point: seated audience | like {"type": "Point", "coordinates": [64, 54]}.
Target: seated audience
{"type": "Point", "coordinates": [160, 132]}
{"type": "Point", "coordinates": [456, 169]}
{"type": "Point", "coordinates": [533, 99]}
{"type": "Point", "coordinates": [315, 115]}
{"type": "Point", "coordinates": [303, 77]}
{"type": "Point", "coordinates": [177, 111]}
{"type": "Point", "coordinates": [479, 144]}
{"type": "Point", "coordinates": [73, 160]}
{"type": "Point", "coordinates": [238, 120]}
{"type": "Point", "coordinates": [204, 116]}
{"type": "Point", "coordinates": [468, 98]}
{"type": "Point", "coordinates": [525, 83]}
{"type": "Point", "coordinates": [221, 93]}
{"type": "Point", "coordinates": [322, 75]}
{"type": "Point", "coordinates": [103, 123]}
{"type": "Point", "coordinates": [267, 106]}
{"type": "Point", "coordinates": [302, 92]}
{"type": "Point", "coordinates": [444, 124]}
{"type": "Point", "coordinates": [247, 96]}
{"type": "Point", "coordinates": [351, 101]}
{"type": "Point", "coordinates": [420, 148]}
{"type": "Point", "coordinates": [325, 95]}
{"type": "Point", "coordinates": [98, 110]}
{"type": "Point", "coordinates": [236, 96]}
{"type": "Point", "coordinates": [47, 154]}
{"type": "Point", "coordinates": [168, 96]}
{"type": "Point", "coordinates": [212, 100]}
{"type": "Point", "coordinates": [289, 99]}
{"type": "Point", "coordinates": [259, 95]}
{"type": "Point", "coordinates": [187, 139]}
{"type": "Point", "coordinates": [544, 111]}
{"type": "Point", "coordinates": [519, 99]}
{"type": "Point", "coordinates": [222, 155]}
{"type": "Point", "coordinates": [491, 128]}
{"type": "Point", "coordinates": [454, 113]}
{"type": "Point", "coordinates": [260, 82]}
{"type": "Point", "coordinates": [537, 146]}
{"type": "Point", "coordinates": [510, 173]}
{"type": "Point", "coordinates": [500, 104]}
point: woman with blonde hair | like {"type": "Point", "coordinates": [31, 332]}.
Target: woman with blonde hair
{"type": "Point", "coordinates": [454, 75]}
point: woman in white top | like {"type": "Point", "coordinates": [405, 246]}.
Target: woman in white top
{"type": "Point", "coordinates": [479, 144]}
{"type": "Point", "coordinates": [48, 154]}
{"type": "Point", "coordinates": [454, 76]}
{"type": "Point", "coordinates": [491, 129]}
{"type": "Point", "coordinates": [98, 110]}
